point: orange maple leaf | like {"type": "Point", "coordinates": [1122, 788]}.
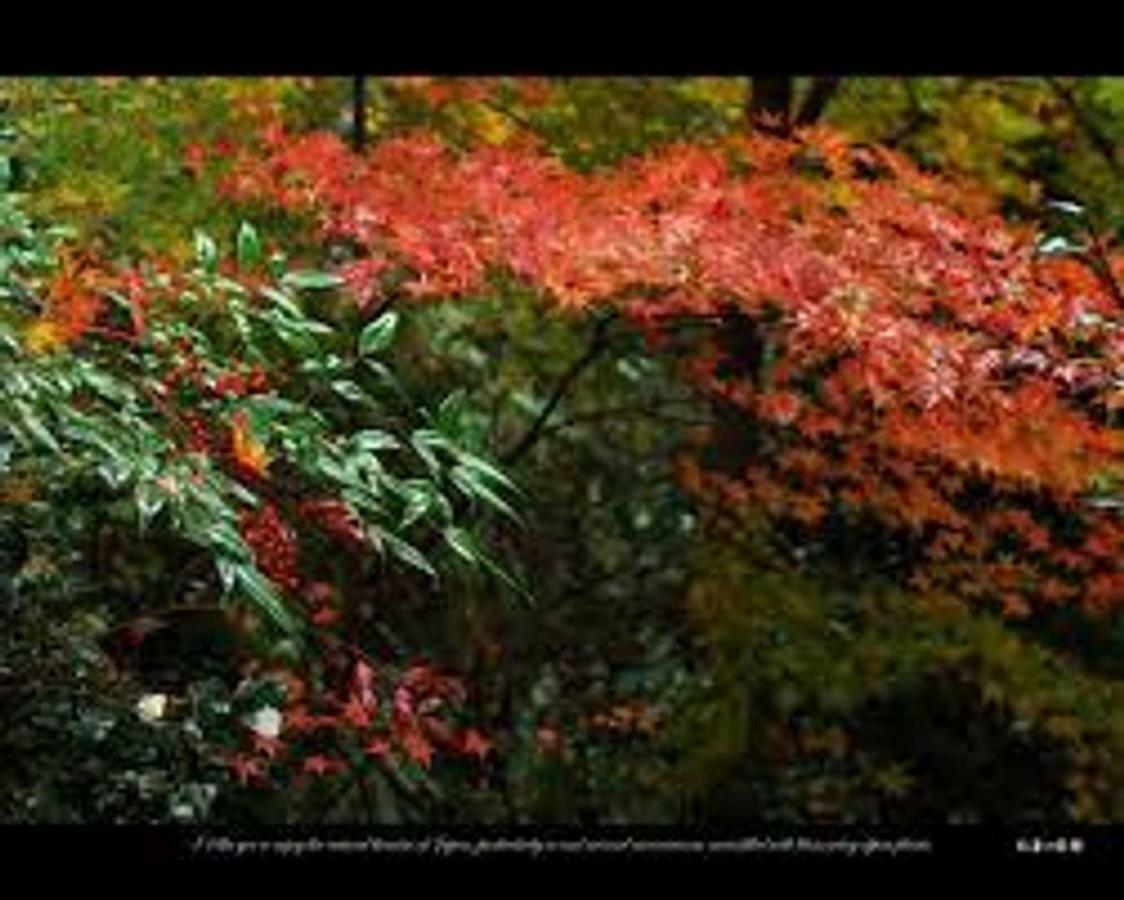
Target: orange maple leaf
{"type": "Point", "coordinates": [247, 451]}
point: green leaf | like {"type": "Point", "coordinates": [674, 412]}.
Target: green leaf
{"type": "Point", "coordinates": [206, 253]}
{"type": "Point", "coordinates": [451, 407]}
{"type": "Point", "coordinates": [462, 543]}
{"type": "Point", "coordinates": [372, 441]}
{"type": "Point", "coordinates": [486, 469]}
{"type": "Point", "coordinates": [115, 472]}
{"type": "Point", "coordinates": [225, 539]}
{"type": "Point", "coordinates": [327, 462]}
{"type": "Point", "coordinates": [292, 334]}
{"type": "Point", "coordinates": [150, 500]}
{"type": "Point", "coordinates": [228, 573]}
{"type": "Point", "coordinates": [407, 553]}
{"type": "Point", "coordinates": [283, 300]}
{"type": "Point", "coordinates": [249, 246]}
{"type": "Point", "coordinates": [418, 503]}
{"type": "Point", "coordinates": [379, 334]}
{"type": "Point", "coordinates": [503, 576]}
{"type": "Point", "coordinates": [1067, 207]}
{"type": "Point", "coordinates": [422, 446]}
{"type": "Point", "coordinates": [36, 427]}
{"type": "Point", "coordinates": [386, 376]}
{"type": "Point", "coordinates": [310, 280]}
{"type": "Point", "coordinates": [473, 486]}
{"type": "Point", "coordinates": [349, 390]}
{"type": "Point", "coordinates": [8, 338]}
{"type": "Point", "coordinates": [106, 385]}
{"type": "Point", "coordinates": [305, 325]}
{"type": "Point", "coordinates": [261, 591]}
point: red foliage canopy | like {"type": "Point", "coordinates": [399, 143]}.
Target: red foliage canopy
{"type": "Point", "coordinates": [928, 367]}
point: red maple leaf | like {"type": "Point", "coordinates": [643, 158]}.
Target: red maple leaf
{"type": "Point", "coordinates": [474, 744]}
{"type": "Point", "coordinates": [364, 684]}
{"type": "Point", "coordinates": [416, 746]}
{"type": "Point", "coordinates": [377, 747]}
{"type": "Point", "coordinates": [325, 616]}
{"type": "Point", "coordinates": [319, 764]}
{"type": "Point", "coordinates": [298, 719]}
{"type": "Point", "coordinates": [266, 745]}
{"type": "Point", "coordinates": [246, 768]}
{"type": "Point", "coordinates": [356, 713]}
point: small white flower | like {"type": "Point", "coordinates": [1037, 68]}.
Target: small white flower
{"type": "Point", "coordinates": [151, 707]}
{"type": "Point", "coordinates": [265, 721]}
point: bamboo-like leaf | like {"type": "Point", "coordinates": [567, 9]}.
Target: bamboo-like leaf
{"type": "Point", "coordinates": [379, 334]}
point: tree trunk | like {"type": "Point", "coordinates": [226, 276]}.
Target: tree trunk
{"type": "Point", "coordinates": [770, 104]}
{"type": "Point", "coordinates": [359, 113]}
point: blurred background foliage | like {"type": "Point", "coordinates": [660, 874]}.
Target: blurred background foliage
{"type": "Point", "coordinates": [670, 669]}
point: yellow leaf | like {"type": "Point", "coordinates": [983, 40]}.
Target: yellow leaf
{"type": "Point", "coordinates": [42, 336]}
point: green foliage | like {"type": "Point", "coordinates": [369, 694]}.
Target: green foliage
{"type": "Point", "coordinates": [107, 488]}
{"type": "Point", "coordinates": [111, 155]}
{"type": "Point", "coordinates": [76, 749]}
{"type": "Point", "coordinates": [858, 703]}
{"type": "Point", "coordinates": [587, 122]}
{"type": "Point", "coordinates": [1029, 138]}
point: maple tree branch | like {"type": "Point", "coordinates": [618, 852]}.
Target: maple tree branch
{"type": "Point", "coordinates": [823, 89]}
{"type": "Point", "coordinates": [596, 345]}
{"type": "Point", "coordinates": [1098, 261]}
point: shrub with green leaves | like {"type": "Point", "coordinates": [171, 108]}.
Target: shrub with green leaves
{"type": "Point", "coordinates": [227, 423]}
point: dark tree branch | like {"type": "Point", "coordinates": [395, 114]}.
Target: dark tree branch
{"type": "Point", "coordinates": [520, 120]}
{"type": "Point", "coordinates": [918, 116]}
{"type": "Point", "coordinates": [1098, 138]}
{"type": "Point", "coordinates": [823, 89]}
{"type": "Point", "coordinates": [916, 119]}
{"type": "Point", "coordinates": [617, 411]}
{"type": "Point", "coordinates": [372, 314]}
{"type": "Point", "coordinates": [1098, 261]}
{"type": "Point", "coordinates": [597, 344]}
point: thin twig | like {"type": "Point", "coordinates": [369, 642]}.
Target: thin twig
{"type": "Point", "coordinates": [598, 414]}
{"type": "Point", "coordinates": [596, 345]}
